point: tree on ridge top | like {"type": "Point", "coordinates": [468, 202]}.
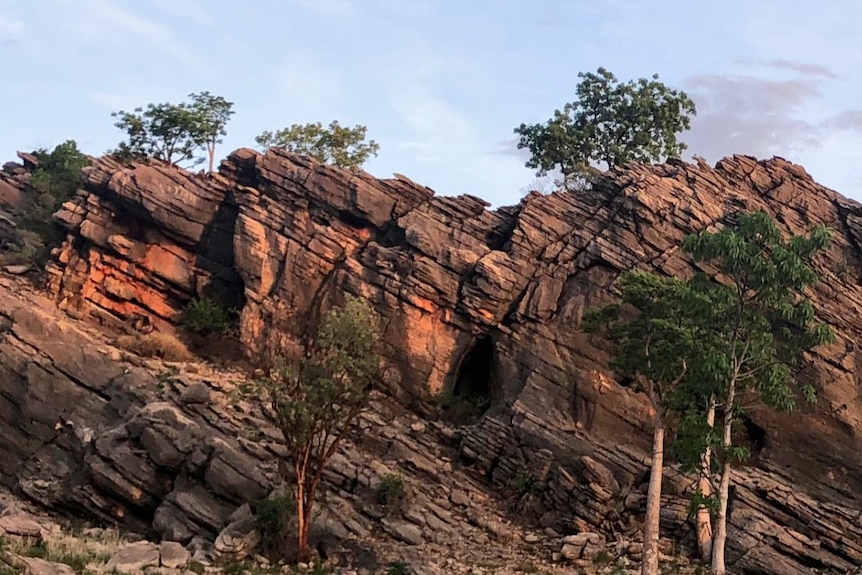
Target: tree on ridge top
{"type": "Point", "coordinates": [609, 122]}
{"type": "Point", "coordinates": [335, 144]}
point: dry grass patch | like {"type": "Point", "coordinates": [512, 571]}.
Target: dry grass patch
{"type": "Point", "coordinates": [85, 552]}
{"type": "Point", "coordinates": [158, 344]}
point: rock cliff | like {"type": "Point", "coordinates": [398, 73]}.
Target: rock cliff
{"type": "Point", "coordinates": [475, 303]}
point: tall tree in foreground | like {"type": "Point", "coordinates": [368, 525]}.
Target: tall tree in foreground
{"type": "Point", "coordinates": [609, 123]}
{"type": "Point", "coordinates": [317, 396]}
{"type": "Point", "coordinates": [337, 145]}
{"type": "Point", "coordinates": [762, 325]}
{"type": "Point", "coordinates": [657, 340]}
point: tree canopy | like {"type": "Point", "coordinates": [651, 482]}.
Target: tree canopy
{"type": "Point", "coordinates": [656, 340]}
{"type": "Point", "coordinates": [55, 180]}
{"type": "Point", "coordinates": [173, 133]}
{"type": "Point", "coordinates": [609, 122]}
{"type": "Point", "coordinates": [316, 396]}
{"type": "Point", "coordinates": [337, 145]}
{"type": "Point", "coordinates": [695, 347]}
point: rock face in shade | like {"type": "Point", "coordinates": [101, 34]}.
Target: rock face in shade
{"type": "Point", "coordinates": [488, 302]}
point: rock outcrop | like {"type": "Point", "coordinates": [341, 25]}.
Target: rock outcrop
{"type": "Point", "coordinates": [14, 178]}
{"type": "Point", "coordinates": [475, 302]}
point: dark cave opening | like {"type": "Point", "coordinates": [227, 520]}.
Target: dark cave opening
{"type": "Point", "coordinates": [473, 389]}
{"type": "Point", "coordinates": [751, 436]}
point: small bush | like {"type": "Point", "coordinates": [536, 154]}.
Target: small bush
{"type": "Point", "coordinates": [273, 514]}
{"type": "Point", "coordinates": [398, 568]}
{"type": "Point", "coordinates": [158, 344]}
{"type": "Point", "coordinates": [205, 316]}
{"type": "Point", "coordinates": [460, 409]}
{"type": "Point", "coordinates": [196, 567]}
{"type": "Point", "coordinates": [603, 558]}
{"type": "Point", "coordinates": [390, 492]}
{"type": "Point", "coordinates": [525, 483]}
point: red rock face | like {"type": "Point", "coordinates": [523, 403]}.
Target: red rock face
{"type": "Point", "coordinates": [449, 276]}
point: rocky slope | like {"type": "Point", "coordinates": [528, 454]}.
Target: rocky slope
{"type": "Point", "coordinates": [476, 302]}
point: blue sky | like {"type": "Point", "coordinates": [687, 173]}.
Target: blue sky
{"type": "Point", "coordinates": [440, 83]}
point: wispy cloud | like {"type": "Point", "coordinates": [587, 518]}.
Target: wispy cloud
{"type": "Point", "coordinates": [751, 115]}
{"type": "Point", "coordinates": [11, 32]}
{"type": "Point", "coordinates": [803, 68]}
{"type": "Point", "coordinates": [848, 120]}
{"type": "Point", "coordinates": [98, 20]}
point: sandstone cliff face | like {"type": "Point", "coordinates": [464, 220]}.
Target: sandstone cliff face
{"type": "Point", "coordinates": [488, 302]}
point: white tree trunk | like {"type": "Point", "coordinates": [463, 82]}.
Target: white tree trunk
{"type": "Point", "coordinates": [649, 566]}
{"type": "Point", "coordinates": [720, 538]}
{"type": "Point", "coordinates": [703, 521]}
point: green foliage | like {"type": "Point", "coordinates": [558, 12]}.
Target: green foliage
{"type": "Point", "coordinates": [603, 558]}
{"type": "Point", "coordinates": [196, 567]}
{"type": "Point", "coordinates": [337, 145]}
{"type": "Point", "coordinates": [761, 323]}
{"type": "Point", "coordinates": [461, 408]}
{"type": "Point", "coordinates": [173, 133]}
{"type": "Point", "coordinates": [205, 316]}
{"type": "Point", "coordinates": [657, 338]}
{"type": "Point", "coordinates": [609, 122]}
{"type": "Point", "coordinates": [273, 514]}
{"type": "Point", "coordinates": [390, 491]}
{"type": "Point", "coordinates": [398, 568]}
{"type": "Point", "coordinates": [525, 483]}
{"type": "Point", "coordinates": [53, 182]}
{"type": "Point", "coordinates": [316, 396]}
{"type": "Point", "coordinates": [319, 568]}
{"type": "Point", "coordinates": [163, 131]}
{"type": "Point", "coordinates": [212, 113]}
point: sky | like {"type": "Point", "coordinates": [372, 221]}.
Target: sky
{"type": "Point", "coordinates": [441, 84]}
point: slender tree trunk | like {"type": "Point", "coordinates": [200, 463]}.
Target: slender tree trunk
{"type": "Point", "coordinates": [649, 566]}
{"type": "Point", "coordinates": [720, 538]}
{"type": "Point", "coordinates": [211, 152]}
{"type": "Point", "coordinates": [703, 520]}
{"type": "Point", "coordinates": [303, 554]}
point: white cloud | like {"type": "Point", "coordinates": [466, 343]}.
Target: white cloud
{"type": "Point", "coordinates": [11, 32]}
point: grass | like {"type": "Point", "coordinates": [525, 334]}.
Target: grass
{"type": "Point", "coordinates": [390, 492]}
{"type": "Point", "coordinates": [82, 554]}
{"type": "Point", "coordinates": [525, 483]}
{"type": "Point", "coordinates": [158, 344]}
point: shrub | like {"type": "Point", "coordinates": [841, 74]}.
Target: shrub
{"type": "Point", "coordinates": [55, 180]}
{"type": "Point", "coordinates": [158, 344]}
{"type": "Point", "coordinates": [398, 568]}
{"type": "Point", "coordinates": [525, 483]}
{"type": "Point", "coordinates": [390, 492]}
{"type": "Point", "coordinates": [273, 514]}
{"type": "Point", "coordinates": [205, 316]}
